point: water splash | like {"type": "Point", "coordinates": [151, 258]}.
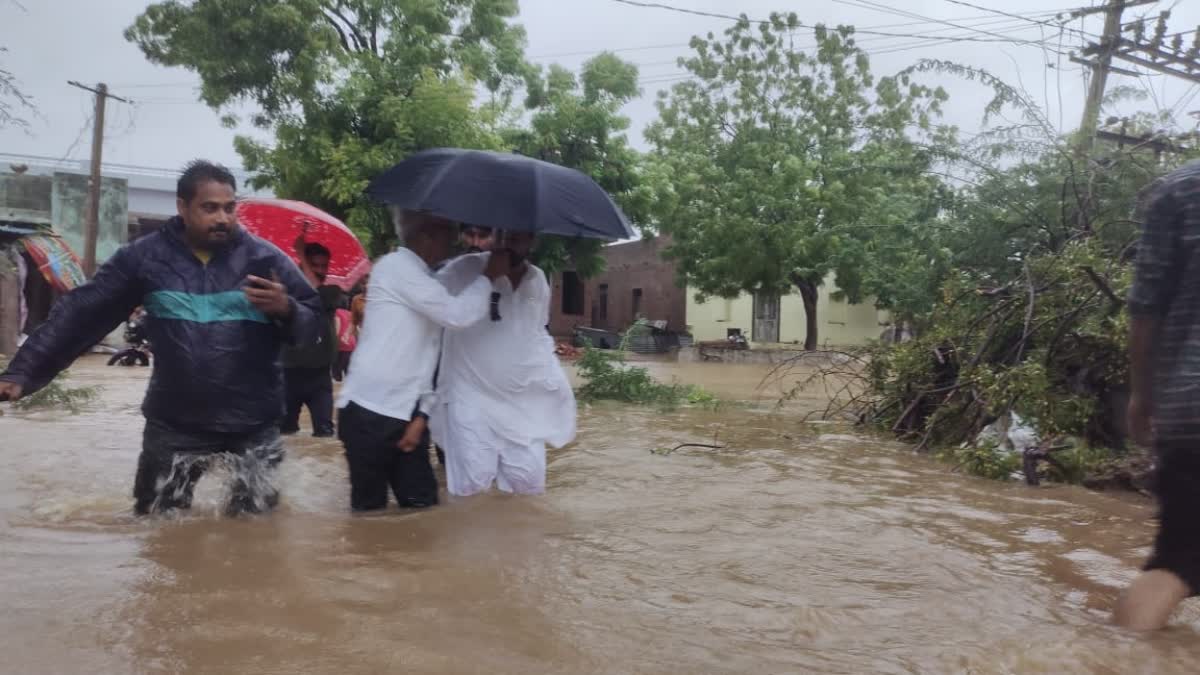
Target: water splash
{"type": "Point", "coordinates": [250, 484]}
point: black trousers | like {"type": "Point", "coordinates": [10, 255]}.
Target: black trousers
{"type": "Point", "coordinates": [312, 387]}
{"type": "Point", "coordinates": [341, 366]}
{"type": "Point", "coordinates": [172, 461]}
{"type": "Point", "coordinates": [377, 463]}
{"type": "Point", "coordinates": [1177, 486]}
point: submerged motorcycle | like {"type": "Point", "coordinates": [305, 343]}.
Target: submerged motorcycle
{"type": "Point", "coordinates": [138, 349]}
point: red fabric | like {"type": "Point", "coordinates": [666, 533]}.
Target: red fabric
{"type": "Point", "coordinates": [282, 221]}
{"type": "Point", "coordinates": [346, 330]}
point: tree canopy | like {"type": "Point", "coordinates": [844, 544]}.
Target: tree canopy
{"type": "Point", "coordinates": [782, 161]}
{"type": "Point", "coordinates": [577, 122]}
{"type": "Point", "coordinates": [346, 87]}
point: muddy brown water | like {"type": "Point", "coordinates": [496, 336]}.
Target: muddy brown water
{"type": "Point", "coordinates": [796, 549]}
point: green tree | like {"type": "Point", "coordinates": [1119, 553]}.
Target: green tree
{"type": "Point", "coordinates": [577, 122]}
{"type": "Point", "coordinates": [346, 87]}
{"type": "Point", "coordinates": [780, 161]}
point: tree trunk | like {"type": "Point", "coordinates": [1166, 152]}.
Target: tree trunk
{"type": "Point", "coordinates": [808, 293]}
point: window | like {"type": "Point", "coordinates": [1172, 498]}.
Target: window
{"type": "Point", "coordinates": [600, 306]}
{"type": "Point", "coordinates": [572, 294]}
{"type": "Point", "coordinates": [637, 304]}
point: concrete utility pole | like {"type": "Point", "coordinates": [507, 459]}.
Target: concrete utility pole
{"type": "Point", "coordinates": [91, 226]}
{"type": "Point", "coordinates": [1109, 42]}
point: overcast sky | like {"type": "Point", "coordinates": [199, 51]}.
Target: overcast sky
{"type": "Point", "coordinates": [52, 41]}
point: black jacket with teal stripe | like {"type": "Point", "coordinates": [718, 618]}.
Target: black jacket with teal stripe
{"type": "Point", "coordinates": [216, 358]}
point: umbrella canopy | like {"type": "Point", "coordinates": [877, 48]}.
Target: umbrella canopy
{"type": "Point", "coordinates": [504, 191]}
{"type": "Point", "coordinates": [282, 221]}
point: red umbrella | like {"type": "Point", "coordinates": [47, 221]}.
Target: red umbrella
{"type": "Point", "coordinates": [283, 221]}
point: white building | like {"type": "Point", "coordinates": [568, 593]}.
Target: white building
{"type": "Point", "coordinates": [151, 189]}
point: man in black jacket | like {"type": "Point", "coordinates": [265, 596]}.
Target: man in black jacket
{"type": "Point", "coordinates": [221, 303]}
{"type": "Point", "coordinates": [308, 368]}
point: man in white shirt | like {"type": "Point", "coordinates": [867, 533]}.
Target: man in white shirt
{"type": "Point", "coordinates": [502, 394]}
{"type": "Point", "coordinates": [388, 391]}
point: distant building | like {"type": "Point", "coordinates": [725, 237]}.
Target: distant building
{"type": "Point", "coordinates": [767, 320]}
{"type": "Point", "coordinates": [637, 283]}
{"type": "Point", "coordinates": [149, 194]}
{"type": "Point", "coordinates": [43, 203]}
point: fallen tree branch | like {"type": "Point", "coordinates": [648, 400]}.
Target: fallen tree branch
{"type": "Point", "coordinates": [664, 451]}
{"type": "Point", "coordinates": [1117, 302]}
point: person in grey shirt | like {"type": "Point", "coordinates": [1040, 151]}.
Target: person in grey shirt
{"type": "Point", "coordinates": [1164, 408]}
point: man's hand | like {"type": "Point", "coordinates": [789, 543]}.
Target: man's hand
{"type": "Point", "coordinates": [1139, 420]}
{"type": "Point", "coordinates": [10, 391]}
{"type": "Point", "coordinates": [268, 296]}
{"type": "Point", "coordinates": [499, 263]}
{"type": "Point", "coordinates": [412, 434]}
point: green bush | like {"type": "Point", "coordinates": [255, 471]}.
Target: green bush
{"type": "Point", "coordinates": [56, 395]}
{"type": "Point", "coordinates": [985, 461]}
{"type": "Point", "coordinates": [607, 377]}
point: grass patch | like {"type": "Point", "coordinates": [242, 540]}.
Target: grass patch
{"type": "Point", "coordinates": [607, 377]}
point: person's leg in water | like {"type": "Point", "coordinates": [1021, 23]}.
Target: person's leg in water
{"type": "Point", "coordinates": [168, 467]}
{"type": "Point", "coordinates": [254, 462]}
{"type": "Point", "coordinates": [364, 435]}
{"type": "Point", "coordinates": [341, 366]}
{"type": "Point", "coordinates": [473, 459]}
{"type": "Point", "coordinates": [412, 478]}
{"type": "Point", "coordinates": [522, 469]}
{"type": "Point", "coordinates": [1173, 572]}
{"type": "Point", "coordinates": [294, 397]}
{"type": "Point", "coordinates": [320, 403]}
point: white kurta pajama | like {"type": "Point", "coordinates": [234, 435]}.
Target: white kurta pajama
{"type": "Point", "coordinates": [502, 394]}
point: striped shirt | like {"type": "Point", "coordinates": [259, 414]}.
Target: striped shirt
{"type": "Point", "coordinates": [1166, 286]}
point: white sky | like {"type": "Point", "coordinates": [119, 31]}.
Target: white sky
{"type": "Point", "coordinates": [52, 41]}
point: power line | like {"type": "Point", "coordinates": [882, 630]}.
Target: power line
{"type": "Point", "coordinates": [78, 138]}
{"type": "Point", "coordinates": [159, 85]}
{"type": "Point", "coordinates": [1001, 12]}
{"type": "Point", "coordinates": [683, 10]}
{"type": "Point", "coordinates": [863, 31]}
{"type": "Point", "coordinates": [868, 4]}
{"type": "Point", "coordinates": [667, 78]}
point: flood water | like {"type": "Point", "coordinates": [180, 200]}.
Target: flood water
{"type": "Point", "coordinates": [797, 548]}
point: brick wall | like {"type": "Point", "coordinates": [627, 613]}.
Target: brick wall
{"type": "Point", "coordinates": [565, 317]}
{"type": "Point", "coordinates": [636, 282]}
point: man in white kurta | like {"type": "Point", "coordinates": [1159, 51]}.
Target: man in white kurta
{"type": "Point", "coordinates": [502, 394]}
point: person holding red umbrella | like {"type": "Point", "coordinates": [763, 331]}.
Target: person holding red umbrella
{"type": "Point", "coordinates": [308, 368]}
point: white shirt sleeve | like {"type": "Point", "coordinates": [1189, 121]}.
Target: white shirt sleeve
{"type": "Point", "coordinates": [427, 401]}
{"type": "Point", "coordinates": [457, 274]}
{"type": "Point", "coordinates": [412, 285]}
{"type": "Point", "coordinates": [537, 291]}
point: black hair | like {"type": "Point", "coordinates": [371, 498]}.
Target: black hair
{"type": "Point", "coordinates": [198, 171]}
{"type": "Point", "coordinates": [314, 248]}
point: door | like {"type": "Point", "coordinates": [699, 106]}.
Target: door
{"type": "Point", "coordinates": [766, 318]}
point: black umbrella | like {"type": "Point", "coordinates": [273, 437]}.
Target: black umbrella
{"type": "Point", "coordinates": [504, 191]}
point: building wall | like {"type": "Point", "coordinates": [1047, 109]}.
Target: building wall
{"type": "Point", "coordinates": [69, 212]}
{"type": "Point", "coordinates": [637, 266]}
{"type": "Point", "coordinates": [562, 323]}
{"type": "Point", "coordinates": [60, 201]}
{"type": "Point", "coordinates": [629, 267]}
{"type": "Point", "coordinates": [839, 324]}
{"type": "Point", "coordinates": [153, 200]}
